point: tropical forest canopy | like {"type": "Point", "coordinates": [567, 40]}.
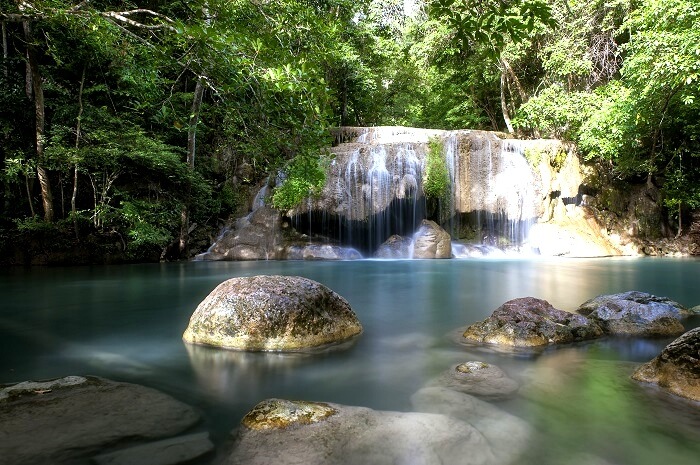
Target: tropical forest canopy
{"type": "Point", "coordinates": [144, 121]}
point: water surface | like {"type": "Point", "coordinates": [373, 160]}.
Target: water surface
{"type": "Point", "coordinates": [126, 322]}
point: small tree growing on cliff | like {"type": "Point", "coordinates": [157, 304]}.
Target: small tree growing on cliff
{"type": "Point", "coordinates": [436, 179]}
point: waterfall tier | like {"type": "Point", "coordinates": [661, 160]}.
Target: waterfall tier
{"type": "Point", "coordinates": [374, 188]}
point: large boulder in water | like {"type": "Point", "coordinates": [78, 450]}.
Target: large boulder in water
{"type": "Point", "coordinates": [531, 322]}
{"type": "Point", "coordinates": [395, 247]}
{"type": "Point", "coordinates": [277, 313]}
{"type": "Point", "coordinates": [67, 420]}
{"type": "Point", "coordinates": [636, 314]}
{"type": "Point", "coordinates": [677, 368]}
{"type": "Point", "coordinates": [431, 241]}
{"type": "Point", "coordinates": [286, 432]}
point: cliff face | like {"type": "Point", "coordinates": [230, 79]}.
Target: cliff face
{"type": "Point", "coordinates": [531, 196]}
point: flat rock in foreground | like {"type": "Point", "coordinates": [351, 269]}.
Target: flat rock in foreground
{"type": "Point", "coordinates": [275, 313]}
{"type": "Point", "coordinates": [68, 420]}
{"type": "Point", "coordinates": [531, 322]}
{"type": "Point", "coordinates": [286, 432]}
{"type": "Point", "coordinates": [677, 368]}
{"type": "Point", "coordinates": [636, 313]}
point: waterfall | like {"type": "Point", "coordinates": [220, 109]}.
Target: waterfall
{"type": "Point", "coordinates": [375, 188]}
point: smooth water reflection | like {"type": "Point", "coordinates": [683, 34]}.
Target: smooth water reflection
{"type": "Point", "coordinates": [126, 322]}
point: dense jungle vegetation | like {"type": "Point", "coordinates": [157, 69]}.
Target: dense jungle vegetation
{"type": "Point", "coordinates": [130, 128]}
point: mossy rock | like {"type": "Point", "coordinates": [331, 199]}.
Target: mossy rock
{"type": "Point", "coordinates": [272, 313]}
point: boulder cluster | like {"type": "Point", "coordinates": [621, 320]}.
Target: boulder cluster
{"type": "Point", "coordinates": [532, 322]}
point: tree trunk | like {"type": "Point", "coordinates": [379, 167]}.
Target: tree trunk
{"type": "Point", "coordinates": [74, 195]}
{"type": "Point", "coordinates": [38, 93]}
{"type": "Point", "coordinates": [504, 105]}
{"type": "Point", "coordinates": [191, 151]}
{"type": "Point", "coordinates": [4, 49]}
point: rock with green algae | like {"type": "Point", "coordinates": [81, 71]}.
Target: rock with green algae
{"type": "Point", "coordinates": [531, 322]}
{"type": "Point", "coordinates": [677, 368]}
{"type": "Point", "coordinates": [281, 413]}
{"type": "Point", "coordinates": [307, 433]}
{"type": "Point", "coordinates": [636, 313]}
{"type": "Point", "coordinates": [272, 313]}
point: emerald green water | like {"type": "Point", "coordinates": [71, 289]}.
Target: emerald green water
{"type": "Point", "coordinates": [125, 323]}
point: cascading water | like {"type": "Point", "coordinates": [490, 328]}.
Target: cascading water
{"type": "Point", "coordinates": [375, 188]}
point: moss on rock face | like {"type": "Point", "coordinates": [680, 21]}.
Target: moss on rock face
{"type": "Point", "coordinates": [275, 313]}
{"type": "Point", "coordinates": [280, 414]}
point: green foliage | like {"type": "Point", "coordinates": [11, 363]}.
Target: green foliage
{"type": "Point", "coordinates": [436, 179]}
{"type": "Point", "coordinates": [304, 176]}
{"type": "Point", "coordinates": [492, 23]}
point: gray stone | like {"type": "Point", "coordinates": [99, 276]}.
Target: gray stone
{"type": "Point", "coordinates": [677, 368]}
{"type": "Point", "coordinates": [65, 422]}
{"type": "Point", "coordinates": [308, 433]}
{"type": "Point", "coordinates": [257, 236]}
{"type": "Point", "coordinates": [531, 322]}
{"type": "Point", "coordinates": [508, 434]}
{"type": "Point", "coordinates": [278, 313]}
{"type": "Point", "coordinates": [478, 379]}
{"type": "Point", "coordinates": [635, 314]}
{"type": "Point", "coordinates": [174, 451]}
{"type": "Point", "coordinates": [431, 241]}
{"type": "Point", "coordinates": [395, 247]}
{"type": "Point", "coordinates": [322, 252]}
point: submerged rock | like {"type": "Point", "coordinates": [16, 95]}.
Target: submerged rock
{"type": "Point", "coordinates": [395, 247]}
{"type": "Point", "coordinates": [279, 313]}
{"type": "Point", "coordinates": [478, 379]}
{"type": "Point", "coordinates": [322, 252]}
{"type": "Point", "coordinates": [308, 433]}
{"type": "Point", "coordinates": [431, 241]}
{"type": "Point", "coordinates": [174, 451]}
{"type": "Point", "coordinates": [677, 368]}
{"type": "Point", "coordinates": [66, 421]}
{"type": "Point", "coordinates": [635, 314]}
{"type": "Point", "coordinates": [508, 435]}
{"type": "Point", "coordinates": [531, 322]}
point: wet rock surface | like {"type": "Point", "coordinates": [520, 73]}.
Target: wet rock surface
{"type": "Point", "coordinates": [531, 322]}
{"type": "Point", "coordinates": [276, 313]}
{"type": "Point", "coordinates": [257, 236]}
{"type": "Point", "coordinates": [431, 241]}
{"type": "Point", "coordinates": [478, 379]}
{"type": "Point", "coordinates": [395, 247]}
{"type": "Point", "coordinates": [636, 314]}
{"type": "Point", "coordinates": [677, 368]}
{"type": "Point", "coordinates": [321, 252]}
{"type": "Point", "coordinates": [359, 435]}
{"type": "Point", "coordinates": [66, 421]}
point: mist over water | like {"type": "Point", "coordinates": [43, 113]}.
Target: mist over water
{"type": "Point", "coordinates": [126, 322]}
